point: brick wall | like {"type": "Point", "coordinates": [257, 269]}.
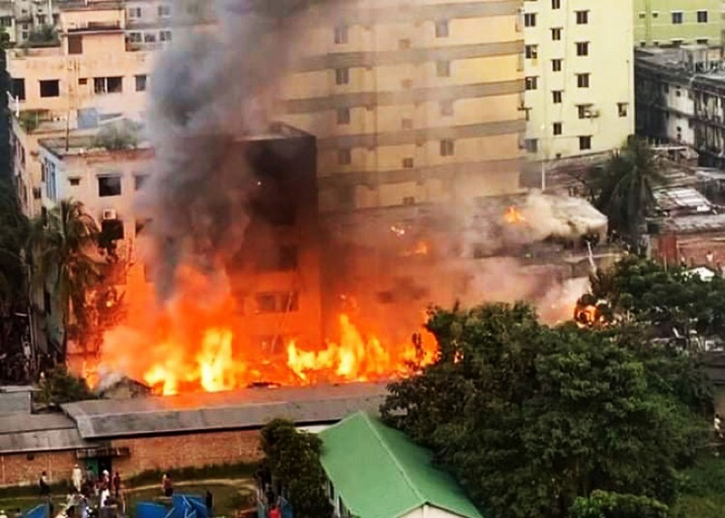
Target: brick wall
{"type": "Point", "coordinates": [25, 469]}
{"type": "Point", "coordinates": [180, 451]}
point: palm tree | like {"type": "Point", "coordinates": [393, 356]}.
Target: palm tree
{"type": "Point", "coordinates": [626, 188]}
{"type": "Point", "coordinates": [63, 242]}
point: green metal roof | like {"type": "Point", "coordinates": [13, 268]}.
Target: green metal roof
{"type": "Point", "coordinates": [380, 473]}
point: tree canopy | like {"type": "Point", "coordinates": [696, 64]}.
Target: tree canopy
{"type": "Point", "coordinates": [59, 386]}
{"type": "Point", "coordinates": [625, 187]}
{"type": "Point", "coordinates": [530, 418]}
{"type": "Point", "coordinates": [293, 458]}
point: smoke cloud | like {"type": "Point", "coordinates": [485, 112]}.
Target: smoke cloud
{"type": "Point", "coordinates": [212, 84]}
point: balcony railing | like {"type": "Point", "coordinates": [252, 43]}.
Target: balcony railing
{"type": "Point", "coordinates": [94, 26]}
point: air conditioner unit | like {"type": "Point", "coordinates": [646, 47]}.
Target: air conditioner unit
{"type": "Point", "coordinates": [109, 214]}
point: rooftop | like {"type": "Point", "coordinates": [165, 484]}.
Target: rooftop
{"type": "Point", "coordinates": [694, 224]}
{"type": "Point", "coordinates": [248, 408]}
{"type": "Point", "coordinates": [22, 433]}
{"type": "Point", "coordinates": [380, 473]}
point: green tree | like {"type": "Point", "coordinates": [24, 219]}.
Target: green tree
{"type": "Point", "coordinates": [293, 458]}
{"type": "Point", "coordinates": [611, 505]}
{"type": "Point", "coordinates": [59, 386]}
{"type": "Point", "coordinates": [62, 243]}
{"type": "Point", "coordinates": [625, 188]}
{"type": "Point", "coordinates": [530, 418]}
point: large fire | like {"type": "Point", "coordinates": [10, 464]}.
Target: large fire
{"type": "Point", "coordinates": [198, 342]}
{"type": "Point", "coordinates": [513, 215]}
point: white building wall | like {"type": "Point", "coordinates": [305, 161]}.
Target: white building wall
{"type": "Point", "coordinates": [428, 511]}
{"type": "Point", "coordinates": [553, 34]}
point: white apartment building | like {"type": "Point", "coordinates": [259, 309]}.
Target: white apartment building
{"type": "Point", "coordinates": [411, 102]}
{"type": "Point", "coordinates": [92, 77]}
{"type": "Point", "coordinates": [579, 75]}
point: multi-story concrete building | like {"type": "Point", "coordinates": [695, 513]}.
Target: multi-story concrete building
{"type": "Point", "coordinates": [677, 22]}
{"type": "Point", "coordinates": [579, 77]}
{"type": "Point", "coordinates": [411, 102]}
{"type": "Point", "coordinates": [681, 99]}
{"type": "Point", "coordinates": [91, 77]}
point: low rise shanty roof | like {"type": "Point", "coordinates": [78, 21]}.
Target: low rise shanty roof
{"type": "Point", "coordinates": [380, 473]}
{"type": "Point", "coordinates": [15, 403]}
{"type": "Point", "coordinates": [43, 432]}
{"type": "Point", "coordinates": [242, 409]}
{"type": "Point", "coordinates": [694, 224]}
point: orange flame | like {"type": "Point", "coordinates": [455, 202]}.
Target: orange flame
{"type": "Point", "coordinates": [200, 344]}
{"type": "Point", "coordinates": [513, 215]}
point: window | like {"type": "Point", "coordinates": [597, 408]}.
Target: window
{"type": "Point", "coordinates": [74, 182]}
{"type": "Point", "coordinates": [641, 16]}
{"type": "Point", "coordinates": [6, 21]}
{"type": "Point", "coordinates": [676, 42]}
{"type": "Point", "coordinates": [582, 48]}
{"type": "Point", "coordinates": [141, 83]}
{"type": "Point", "coordinates": [277, 302]}
{"type": "Point", "coordinates": [149, 37]}
{"type": "Point", "coordinates": [556, 96]}
{"type": "Point", "coordinates": [584, 111]}
{"type": "Point", "coordinates": [134, 13]}
{"type": "Point", "coordinates": [582, 80]}
{"type": "Point", "coordinates": [702, 41]}
{"type": "Point", "coordinates": [18, 88]}
{"type": "Point", "coordinates": [342, 76]}
{"type": "Point", "coordinates": [344, 157]}
{"type": "Point", "coordinates": [677, 17]}
{"type": "Point", "coordinates": [582, 17]}
{"type": "Point", "coordinates": [531, 51]}
{"type": "Point", "coordinates": [50, 88]}
{"type": "Point", "coordinates": [556, 65]}
{"type": "Point", "coordinates": [164, 11]}
{"type": "Point", "coordinates": [408, 163]}
{"type": "Point", "coordinates": [556, 34]}
{"type": "Point", "coordinates": [446, 108]}
{"type": "Point", "coordinates": [75, 44]}
{"type": "Point", "coordinates": [622, 109]}
{"type": "Point", "coordinates": [443, 68]}
{"type": "Point", "coordinates": [556, 4]}
{"type": "Point", "coordinates": [701, 16]}
{"type": "Point", "coordinates": [135, 37]}
{"type": "Point", "coordinates": [341, 34]}
{"type": "Point", "coordinates": [557, 127]}
{"type": "Point", "coordinates": [442, 29]}
{"type": "Point", "coordinates": [531, 82]}
{"type": "Point", "coordinates": [585, 143]}
{"type": "Point", "coordinates": [531, 145]}
{"type": "Point", "coordinates": [343, 116]}
{"type": "Point", "coordinates": [165, 35]}
{"type": "Point", "coordinates": [406, 124]}
{"type": "Point", "coordinates": [530, 20]}
{"type": "Point", "coordinates": [50, 180]}
{"type": "Point", "coordinates": [107, 85]}
{"type": "Point", "coordinates": [447, 147]}
{"type": "Point", "coordinates": [109, 185]}
{"type": "Point", "coordinates": [139, 180]}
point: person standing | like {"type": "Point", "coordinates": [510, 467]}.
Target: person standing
{"type": "Point", "coordinates": [77, 478]}
{"type": "Point", "coordinates": [117, 484]}
{"type": "Point", "coordinates": [43, 484]}
{"type": "Point", "coordinates": [209, 503]}
{"type": "Point", "coordinates": [167, 485]}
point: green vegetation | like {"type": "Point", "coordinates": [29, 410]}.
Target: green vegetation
{"type": "Point", "coordinates": [118, 137]}
{"type": "Point", "coordinates": [530, 418]}
{"type": "Point", "coordinates": [60, 386]}
{"type": "Point", "coordinates": [216, 471]}
{"type": "Point", "coordinates": [624, 188]}
{"type": "Point", "coordinates": [703, 489]}
{"type": "Point", "coordinates": [293, 459]}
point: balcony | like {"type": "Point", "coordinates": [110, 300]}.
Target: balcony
{"type": "Point", "coordinates": [107, 26]}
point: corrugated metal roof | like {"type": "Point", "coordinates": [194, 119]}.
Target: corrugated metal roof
{"type": "Point", "coordinates": [250, 408]}
{"type": "Point", "coordinates": [15, 403]}
{"type": "Point", "coordinates": [46, 432]}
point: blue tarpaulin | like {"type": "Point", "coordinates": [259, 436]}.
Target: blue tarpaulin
{"type": "Point", "coordinates": [150, 510]}
{"type": "Point", "coordinates": [40, 511]}
{"type": "Point", "coordinates": [182, 506]}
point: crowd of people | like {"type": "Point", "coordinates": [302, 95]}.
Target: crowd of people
{"type": "Point", "coordinates": [91, 496]}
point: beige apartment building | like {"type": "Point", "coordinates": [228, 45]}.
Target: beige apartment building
{"type": "Point", "coordinates": [411, 102]}
{"type": "Point", "coordinates": [579, 76]}
{"type": "Point", "coordinates": [92, 77]}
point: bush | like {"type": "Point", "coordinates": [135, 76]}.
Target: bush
{"type": "Point", "coordinates": [602, 504]}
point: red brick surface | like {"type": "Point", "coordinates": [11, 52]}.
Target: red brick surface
{"type": "Point", "coordinates": [180, 451]}
{"type": "Point", "coordinates": [25, 469]}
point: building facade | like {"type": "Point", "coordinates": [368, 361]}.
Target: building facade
{"type": "Point", "coordinates": [579, 77]}
{"type": "Point", "coordinates": [90, 78]}
{"type": "Point", "coordinates": [410, 103]}
{"type": "Point", "coordinates": [677, 22]}
{"type": "Point", "coordinates": [681, 100]}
